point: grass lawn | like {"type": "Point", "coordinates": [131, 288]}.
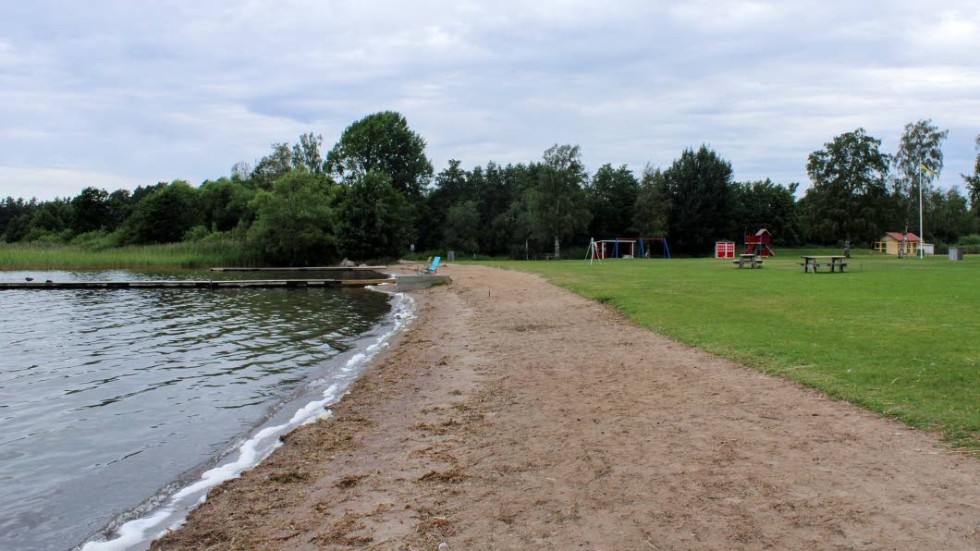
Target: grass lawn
{"type": "Point", "coordinates": [900, 337]}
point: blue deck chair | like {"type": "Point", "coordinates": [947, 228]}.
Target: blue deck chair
{"type": "Point", "coordinates": [434, 266]}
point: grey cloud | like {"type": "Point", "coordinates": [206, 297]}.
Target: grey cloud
{"type": "Point", "coordinates": [141, 92]}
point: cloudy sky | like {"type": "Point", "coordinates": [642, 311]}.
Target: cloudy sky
{"type": "Point", "coordinates": [131, 92]}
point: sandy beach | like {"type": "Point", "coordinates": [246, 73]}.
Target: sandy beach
{"type": "Point", "coordinates": [516, 415]}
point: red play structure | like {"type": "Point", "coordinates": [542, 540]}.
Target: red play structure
{"type": "Point", "coordinates": [760, 243]}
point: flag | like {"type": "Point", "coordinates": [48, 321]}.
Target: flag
{"type": "Point", "coordinates": [929, 170]}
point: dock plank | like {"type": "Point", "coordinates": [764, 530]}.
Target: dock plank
{"type": "Point", "coordinates": [298, 269]}
{"type": "Point", "coordinates": [193, 284]}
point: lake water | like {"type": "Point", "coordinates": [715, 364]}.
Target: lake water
{"type": "Point", "coordinates": [110, 401]}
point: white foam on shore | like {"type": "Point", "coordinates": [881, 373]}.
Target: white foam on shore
{"type": "Point", "coordinates": [137, 534]}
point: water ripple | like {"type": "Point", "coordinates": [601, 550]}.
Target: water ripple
{"type": "Point", "coordinates": [90, 380]}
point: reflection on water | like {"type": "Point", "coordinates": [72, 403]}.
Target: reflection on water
{"type": "Point", "coordinates": [105, 397]}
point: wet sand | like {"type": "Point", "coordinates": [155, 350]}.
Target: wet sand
{"type": "Point", "coordinates": [516, 415]}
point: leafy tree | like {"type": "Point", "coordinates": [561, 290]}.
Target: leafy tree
{"type": "Point", "coordinates": [142, 192]}
{"type": "Point", "coordinates": [51, 220]}
{"type": "Point", "coordinates": [119, 206]}
{"type": "Point", "coordinates": [450, 186]}
{"type": "Point", "coordinates": [382, 142]}
{"type": "Point", "coordinates": [612, 196]}
{"type": "Point", "coordinates": [973, 182]}
{"type": "Point", "coordinates": [519, 222]}
{"type": "Point", "coordinates": [462, 227]}
{"type": "Point", "coordinates": [921, 144]}
{"type": "Point", "coordinates": [699, 191]}
{"type": "Point", "coordinates": [307, 153]}
{"type": "Point", "coordinates": [652, 207]}
{"type": "Point", "coordinates": [294, 222]}
{"type": "Point", "coordinates": [848, 199]}
{"type": "Point", "coordinates": [948, 217]}
{"type": "Point", "coordinates": [164, 216]}
{"type": "Point", "coordinates": [225, 204]}
{"type": "Point", "coordinates": [374, 219]}
{"type": "Point", "coordinates": [500, 195]}
{"type": "Point", "coordinates": [450, 189]}
{"type": "Point", "coordinates": [241, 171]}
{"type": "Point", "coordinates": [493, 189]}
{"type": "Point", "coordinates": [90, 210]}
{"type": "Point", "coordinates": [273, 166]}
{"type": "Point", "coordinates": [497, 188]}
{"type": "Point", "coordinates": [765, 204]}
{"type": "Point", "coordinates": [17, 228]}
{"type": "Point", "coordinates": [11, 209]}
{"type": "Point", "coordinates": [558, 202]}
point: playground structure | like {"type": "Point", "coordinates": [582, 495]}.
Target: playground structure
{"type": "Point", "coordinates": [632, 247]}
{"type": "Point", "coordinates": [759, 243]}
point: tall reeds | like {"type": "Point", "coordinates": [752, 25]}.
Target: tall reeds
{"type": "Point", "coordinates": [196, 254]}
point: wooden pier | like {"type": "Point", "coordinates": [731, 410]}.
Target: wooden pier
{"type": "Point", "coordinates": [301, 269]}
{"type": "Point", "coordinates": [195, 284]}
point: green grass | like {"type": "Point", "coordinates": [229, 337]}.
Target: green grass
{"type": "Point", "coordinates": [201, 254]}
{"type": "Point", "coordinates": [899, 337]}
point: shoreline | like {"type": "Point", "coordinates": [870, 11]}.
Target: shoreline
{"type": "Point", "coordinates": [513, 414]}
{"type": "Point", "coordinates": [164, 512]}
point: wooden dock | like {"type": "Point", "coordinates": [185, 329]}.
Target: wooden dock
{"type": "Point", "coordinates": [194, 284]}
{"type": "Point", "coordinates": [301, 269]}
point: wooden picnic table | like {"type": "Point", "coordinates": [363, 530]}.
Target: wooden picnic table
{"type": "Point", "coordinates": [750, 260]}
{"type": "Point", "coordinates": [836, 263]}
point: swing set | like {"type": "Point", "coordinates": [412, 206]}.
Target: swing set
{"type": "Point", "coordinates": [628, 247]}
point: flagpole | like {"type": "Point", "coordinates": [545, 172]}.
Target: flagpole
{"type": "Point", "coordinates": [922, 236]}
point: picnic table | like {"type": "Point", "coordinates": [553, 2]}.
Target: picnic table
{"type": "Point", "coordinates": [750, 260]}
{"type": "Point", "coordinates": [835, 263]}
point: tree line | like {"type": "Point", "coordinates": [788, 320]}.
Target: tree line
{"type": "Point", "coordinates": [375, 194]}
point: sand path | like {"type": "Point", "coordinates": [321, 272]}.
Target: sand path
{"type": "Point", "coordinates": [516, 415]}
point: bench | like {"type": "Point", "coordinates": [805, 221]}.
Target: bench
{"type": "Point", "coordinates": [840, 265]}
{"type": "Point", "coordinates": [747, 259]}
{"type": "Point", "coordinates": [811, 263]}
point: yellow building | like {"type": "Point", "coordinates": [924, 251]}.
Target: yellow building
{"type": "Point", "coordinates": [895, 243]}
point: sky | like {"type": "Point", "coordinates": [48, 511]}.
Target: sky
{"type": "Point", "coordinates": [116, 94]}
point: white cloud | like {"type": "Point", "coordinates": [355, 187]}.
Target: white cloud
{"type": "Point", "coordinates": [48, 183]}
{"type": "Point", "coordinates": [728, 16]}
{"type": "Point", "coordinates": [6, 54]}
{"type": "Point", "coordinates": [139, 92]}
{"type": "Point", "coordinates": [947, 33]}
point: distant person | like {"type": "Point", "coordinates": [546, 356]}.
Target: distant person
{"type": "Point", "coordinates": [847, 248]}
